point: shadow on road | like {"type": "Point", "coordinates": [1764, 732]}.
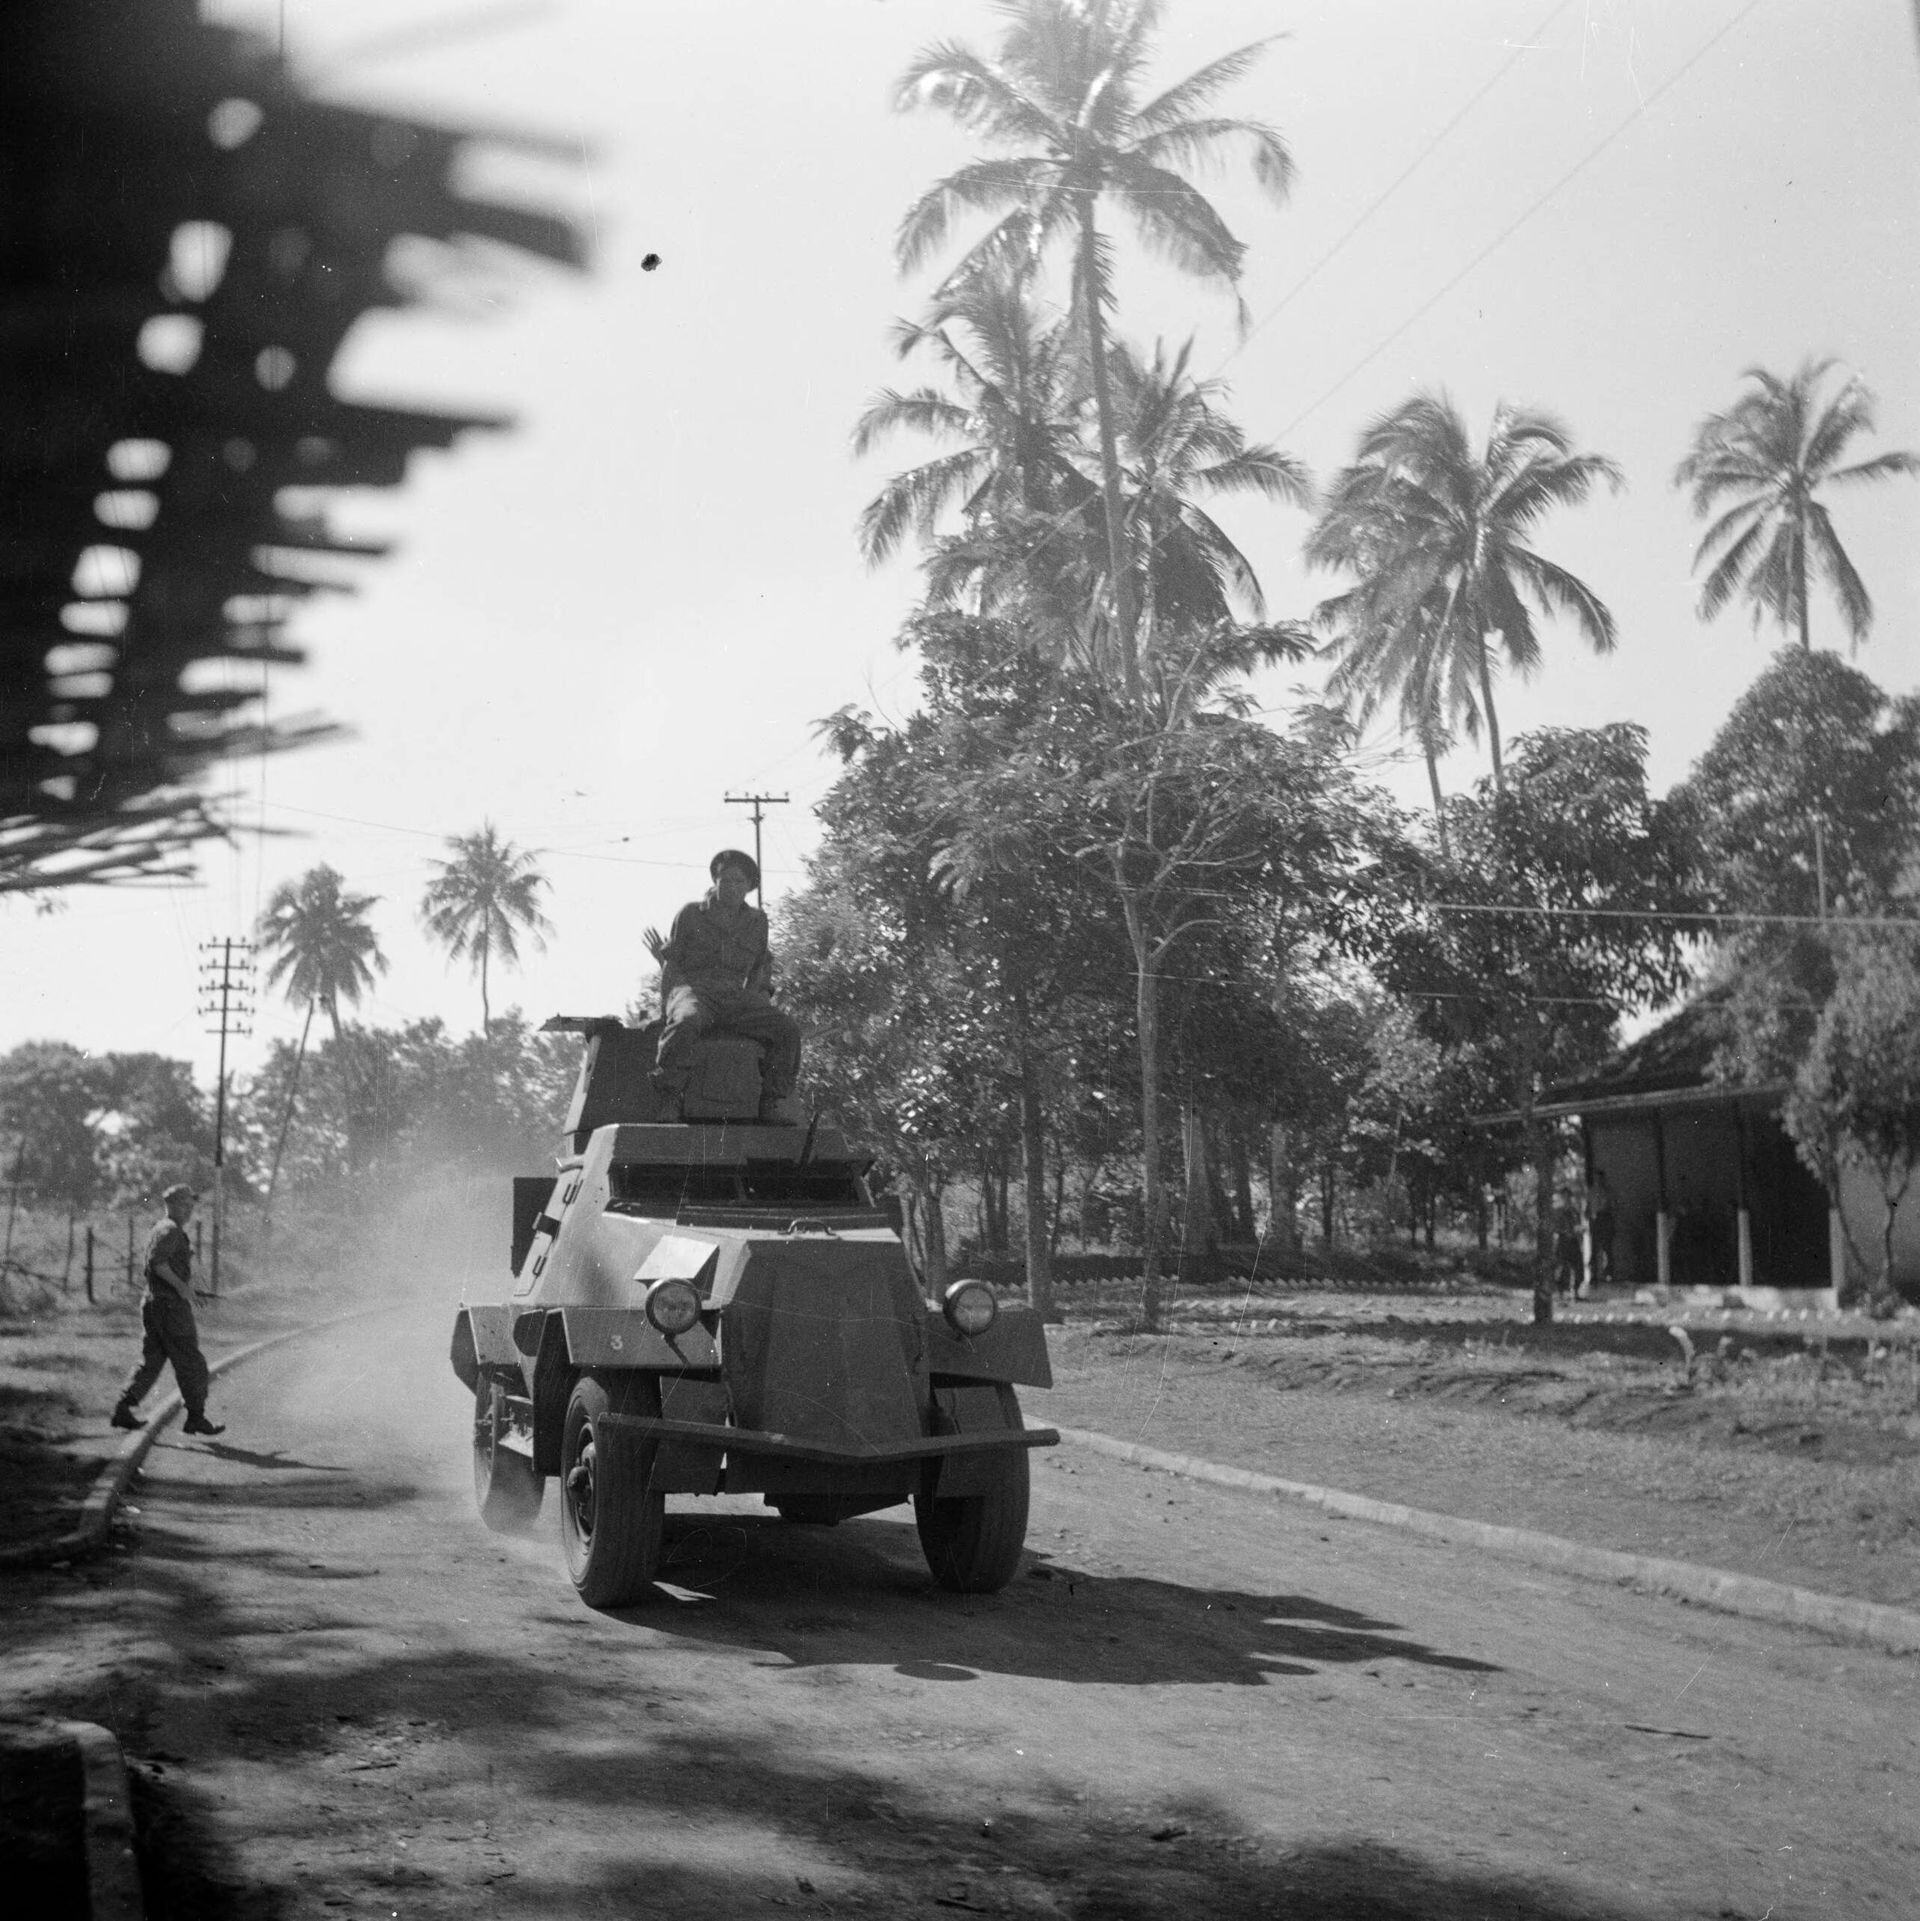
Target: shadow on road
{"type": "Point", "coordinates": [854, 1595]}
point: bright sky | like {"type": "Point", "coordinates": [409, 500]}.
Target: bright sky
{"type": "Point", "coordinates": [600, 625]}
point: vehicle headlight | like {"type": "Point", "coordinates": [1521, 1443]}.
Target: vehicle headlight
{"type": "Point", "coordinates": [673, 1306]}
{"type": "Point", "coordinates": [970, 1307]}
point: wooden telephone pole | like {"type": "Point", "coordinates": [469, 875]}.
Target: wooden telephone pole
{"type": "Point", "coordinates": [226, 999]}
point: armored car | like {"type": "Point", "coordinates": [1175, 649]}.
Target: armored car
{"type": "Point", "coordinates": [700, 1303]}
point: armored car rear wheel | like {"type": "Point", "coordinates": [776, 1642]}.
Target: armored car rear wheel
{"type": "Point", "coordinates": [611, 1515]}
{"type": "Point", "coordinates": [972, 1541]}
{"type": "Point", "coordinates": [506, 1489]}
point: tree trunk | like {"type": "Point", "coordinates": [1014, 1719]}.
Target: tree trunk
{"type": "Point", "coordinates": [486, 1008]}
{"type": "Point", "coordinates": [1147, 1012]}
{"type": "Point", "coordinates": [1328, 1180]}
{"type": "Point", "coordinates": [1033, 1165]}
{"type": "Point", "coordinates": [1283, 1190]}
{"type": "Point", "coordinates": [1439, 802]}
{"type": "Point", "coordinates": [1493, 720]}
{"type": "Point", "coordinates": [926, 1235]}
{"type": "Point", "coordinates": [1117, 559]}
{"type": "Point", "coordinates": [286, 1119]}
{"type": "Point", "coordinates": [1197, 1236]}
{"type": "Point", "coordinates": [1540, 1154]}
{"type": "Point", "coordinates": [1240, 1168]}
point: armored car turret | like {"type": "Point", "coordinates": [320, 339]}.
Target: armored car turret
{"type": "Point", "coordinates": [702, 1303]}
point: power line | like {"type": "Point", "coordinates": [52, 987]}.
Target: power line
{"type": "Point", "coordinates": [1399, 180]}
{"type": "Point", "coordinates": [1656, 913]}
{"type": "Point", "coordinates": [1513, 226]}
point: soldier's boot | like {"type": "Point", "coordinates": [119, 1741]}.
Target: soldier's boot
{"type": "Point", "coordinates": [199, 1424]}
{"type": "Point", "coordinates": [123, 1416]}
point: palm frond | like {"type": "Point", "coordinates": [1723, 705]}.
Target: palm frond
{"type": "Point", "coordinates": [1880, 467]}
{"type": "Point", "coordinates": [983, 186]}
{"type": "Point", "coordinates": [1836, 568]}
{"type": "Point", "coordinates": [1725, 576]}
{"type": "Point", "coordinates": [924, 411]}
{"type": "Point", "coordinates": [1168, 108]}
{"type": "Point", "coordinates": [1175, 220]}
{"type": "Point", "coordinates": [974, 92]}
{"type": "Point", "coordinates": [1559, 592]}
{"type": "Point", "coordinates": [915, 500]}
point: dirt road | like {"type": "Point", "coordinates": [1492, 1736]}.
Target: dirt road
{"type": "Point", "coordinates": [348, 1699]}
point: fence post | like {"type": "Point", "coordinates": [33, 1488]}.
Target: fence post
{"type": "Point", "coordinates": [129, 1250]}
{"type": "Point", "coordinates": [90, 1264]}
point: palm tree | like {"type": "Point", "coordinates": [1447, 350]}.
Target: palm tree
{"type": "Point", "coordinates": [1770, 453]}
{"type": "Point", "coordinates": [1014, 413]}
{"type": "Point", "coordinates": [1435, 530]}
{"type": "Point", "coordinates": [1064, 93]}
{"type": "Point", "coordinates": [324, 952]}
{"type": "Point", "coordinates": [1177, 447]}
{"type": "Point", "coordinates": [480, 903]}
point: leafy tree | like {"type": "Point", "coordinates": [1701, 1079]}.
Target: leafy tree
{"type": "Point", "coordinates": [1554, 916]}
{"type": "Point", "coordinates": [1770, 455]}
{"type": "Point", "coordinates": [1856, 1097]}
{"type": "Point", "coordinates": [1015, 939]}
{"type": "Point", "coordinates": [481, 902]}
{"type": "Point", "coordinates": [1064, 96]}
{"type": "Point", "coordinates": [884, 1051]}
{"type": "Point", "coordinates": [154, 1126]}
{"type": "Point", "coordinates": [1807, 802]}
{"type": "Point", "coordinates": [1807, 811]}
{"type": "Point", "coordinates": [1436, 530]}
{"type": "Point", "coordinates": [51, 1095]}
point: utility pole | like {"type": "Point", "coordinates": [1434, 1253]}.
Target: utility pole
{"type": "Point", "coordinates": [226, 998]}
{"type": "Point", "coordinates": [759, 803]}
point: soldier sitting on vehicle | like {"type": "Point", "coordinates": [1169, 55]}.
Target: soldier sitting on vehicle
{"type": "Point", "coordinates": [716, 974]}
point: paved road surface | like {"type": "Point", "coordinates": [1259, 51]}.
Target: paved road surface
{"type": "Point", "coordinates": [1195, 1703]}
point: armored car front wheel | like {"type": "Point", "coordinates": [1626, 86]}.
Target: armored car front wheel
{"type": "Point", "coordinates": [972, 1541]}
{"type": "Point", "coordinates": [611, 1515]}
{"type": "Point", "coordinates": [506, 1489]}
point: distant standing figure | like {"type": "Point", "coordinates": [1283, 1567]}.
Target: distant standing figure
{"type": "Point", "coordinates": [1566, 1248]}
{"type": "Point", "coordinates": [1600, 1226]}
{"type": "Point", "coordinates": [166, 1316]}
{"type": "Point", "coordinates": [716, 972]}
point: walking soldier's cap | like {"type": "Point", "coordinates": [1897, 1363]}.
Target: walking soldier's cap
{"type": "Point", "coordinates": [733, 857]}
{"type": "Point", "coordinates": [179, 1191]}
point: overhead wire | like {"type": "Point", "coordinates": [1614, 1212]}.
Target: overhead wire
{"type": "Point", "coordinates": [1406, 173]}
{"type": "Point", "coordinates": [1513, 226]}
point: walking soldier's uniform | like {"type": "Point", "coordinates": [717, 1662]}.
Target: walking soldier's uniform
{"type": "Point", "coordinates": [166, 1317]}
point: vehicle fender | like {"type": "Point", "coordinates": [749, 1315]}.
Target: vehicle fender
{"type": "Point", "coordinates": [972, 1407]}
{"type": "Point", "coordinates": [487, 1340]}
{"type": "Point", "coordinates": [465, 1365]}
{"type": "Point", "coordinates": [1013, 1349]}
{"type": "Point", "coordinates": [624, 1337]}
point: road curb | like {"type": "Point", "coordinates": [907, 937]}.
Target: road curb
{"type": "Point", "coordinates": [1887, 1627]}
{"type": "Point", "coordinates": [113, 1870]}
{"type": "Point", "coordinates": [110, 1485]}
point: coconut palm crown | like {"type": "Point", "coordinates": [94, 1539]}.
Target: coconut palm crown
{"type": "Point", "coordinates": [1064, 94]}
{"type": "Point", "coordinates": [1436, 529]}
{"type": "Point", "coordinates": [1177, 448]}
{"type": "Point", "coordinates": [480, 903]}
{"type": "Point", "coordinates": [1012, 417]}
{"type": "Point", "coordinates": [1769, 455]}
{"type": "Point", "coordinates": [323, 951]}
